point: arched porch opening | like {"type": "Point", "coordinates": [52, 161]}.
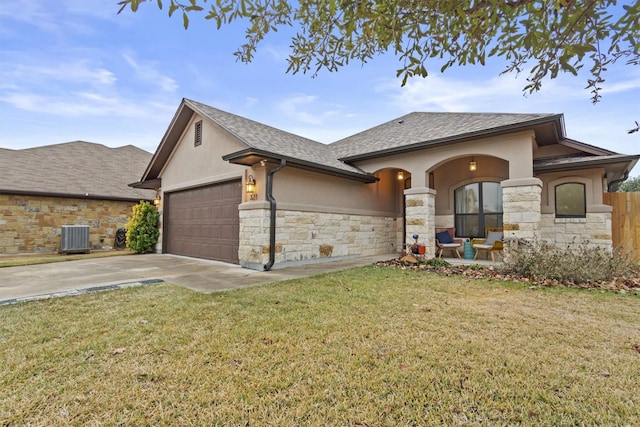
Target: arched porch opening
{"type": "Point", "coordinates": [389, 193]}
{"type": "Point", "coordinates": [468, 193]}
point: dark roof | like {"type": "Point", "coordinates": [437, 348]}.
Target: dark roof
{"type": "Point", "coordinates": [269, 140]}
{"type": "Point", "coordinates": [616, 166]}
{"type": "Point", "coordinates": [417, 130]}
{"type": "Point", "coordinates": [74, 169]}
{"type": "Point", "coordinates": [261, 141]}
{"type": "Point", "coordinates": [410, 132]}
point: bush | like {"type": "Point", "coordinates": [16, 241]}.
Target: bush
{"type": "Point", "coordinates": [577, 263]}
{"type": "Point", "coordinates": [142, 228]}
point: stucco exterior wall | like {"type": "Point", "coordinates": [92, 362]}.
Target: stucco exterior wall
{"type": "Point", "coordinates": [32, 224]}
{"type": "Point", "coordinates": [516, 149]}
{"type": "Point", "coordinates": [190, 166]}
{"type": "Point", "coordinates": [454, 174]}
{"type": "Point", "coordinates": [326, 193]}
{"type": "Point", "coordinates": [304, 236]}
{"type": "Point", "coordinates": [591, 178]}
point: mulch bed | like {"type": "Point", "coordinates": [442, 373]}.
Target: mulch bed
{"type": "Point", "coordinates": [619, 285]}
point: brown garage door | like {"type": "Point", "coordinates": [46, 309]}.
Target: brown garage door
{"type": "Point", "coordinates": [203, 222]}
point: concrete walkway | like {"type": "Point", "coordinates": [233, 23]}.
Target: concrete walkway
{"type": "Point", "coordinates": [74, 277]}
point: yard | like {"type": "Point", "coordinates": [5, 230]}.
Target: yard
{"type": "Point", "coordinates": [371, 346]}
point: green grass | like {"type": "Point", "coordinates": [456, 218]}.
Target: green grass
{"type": "Point", "coordinates": [364, 347]}
{"type": "Point", "coordinates": [33, 259]}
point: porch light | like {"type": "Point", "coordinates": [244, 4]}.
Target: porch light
{"type": "Point", "coordinates": [472, 165]}
{"type": "Point", "coordinates": [156, 200]}
{"type": "Point", "coordinates": [251, 187]}
{"type": "Point", "coordinates": [400, 175]}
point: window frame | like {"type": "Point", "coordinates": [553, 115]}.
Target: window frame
{"type": "Point", "coordinates": [584, 200]}
{"type": "Point", "coordinates": [480, 214]}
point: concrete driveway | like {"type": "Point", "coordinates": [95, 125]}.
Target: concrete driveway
{"type": "Point", "coordinates": [73, 277]}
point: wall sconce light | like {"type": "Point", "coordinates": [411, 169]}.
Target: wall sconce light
{"type": "Point", "coordinates": [400, 175]}
{"type": "Point", "coordinates": [157, 199]}
{"type": "Point", "coordinates": [251, 188]}
{"type": "Point", "coordinates": [472, 165]}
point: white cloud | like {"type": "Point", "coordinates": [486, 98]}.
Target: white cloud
{"type": "Point", "coordinates": [303, 108]}
{"type": "Point", "coordinates": [81, 104]}
{"type": "Point", "coordinates": [71, 71]}
{"type": "Point", "coordinates": [250, 101]}
{"type": "Point", "coordinates": [58, 18]}
{"type": "Point", "coordinates": [147, 71]}
{"type": "Point", "coordinates": [626, 85]}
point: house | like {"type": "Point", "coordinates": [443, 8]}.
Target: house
{"type": "Point", "coordinates": [243, 192]}
{"type": "Point", "coordinates": [74, 183]}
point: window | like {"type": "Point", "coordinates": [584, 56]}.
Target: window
{"type": "Point", "coordinates": [478, 206]}
{"type": "Point", "coordinates": [571, 200]}
{"type": "Point", "coordinates": [197, 135]}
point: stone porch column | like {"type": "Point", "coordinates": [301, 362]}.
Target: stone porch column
{"type": "Point", "coordinates": [420, 218]}
{"type": "Point", "coordinates": [521, 204]}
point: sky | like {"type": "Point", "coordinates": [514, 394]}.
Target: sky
{"type": "Point", "coordinates": [76, 70]}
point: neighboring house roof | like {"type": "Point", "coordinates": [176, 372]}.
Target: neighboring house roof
{"type": "Point", "coordinates": [74, 169]}
{"type": "Point", "coordinates": [418, 130]}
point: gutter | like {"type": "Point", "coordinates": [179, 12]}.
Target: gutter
{"type": "Point", "coordinates": [250, 156]}
{"type": "Point", "coordinates": [89, 196]}
{"type": "Point", "coordinates": [272, 224]}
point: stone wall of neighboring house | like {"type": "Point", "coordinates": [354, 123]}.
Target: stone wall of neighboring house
{"type": "Point", "coordinates": [32, 224]}
{"type": "Point", "coordinates": [310, 236]}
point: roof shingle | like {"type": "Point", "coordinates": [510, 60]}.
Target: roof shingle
{"type": "Point", "coordinates": [266, 138]}
{"type": "Point", "coordinates": [427, 128]}
{"type": "Point", "coordinates": [75, 168]}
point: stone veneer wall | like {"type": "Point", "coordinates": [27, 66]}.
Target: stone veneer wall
{"type": "Point", "coordinates": [521, 201]}
{"type": "Point", "coordinates": [420, 213]}
{"type": "Point", "coordinates": [306, 236]}
{"type": "Point", "coordinates": [32, 224]}
{"type": "Point", "coordinates": [594, 229]}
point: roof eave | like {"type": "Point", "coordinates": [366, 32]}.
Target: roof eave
{"type": "Point", "coordinates": [151, 184]}
{"type": "Point", "coordinates": [631, 160]}
{"type": "Point", "coordinates": [168, 141]}
{"type": "Point", "coordinates": [251, 156]}
{"type": "Point", "coordinates": [88, 196]}
{"type": "Point", "coordinates": [557, 118]}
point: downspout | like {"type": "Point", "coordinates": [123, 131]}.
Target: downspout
{"type": "Point", "coordinates": [617, 182]}
{"type": "Point", "coordinates": [272, 225]}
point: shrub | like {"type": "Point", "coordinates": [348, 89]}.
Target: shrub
{"type": "Point", "coordinates": [576, 263]}
{"type": "Point", "coordinates": [142, 228]}
{"type": "Point", "coordinates": [437, 262]}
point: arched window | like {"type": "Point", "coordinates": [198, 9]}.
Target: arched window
{"type": "Point", "coordinates": [478, 206]}
{"type": "Point", "coordinates": [571, 200]}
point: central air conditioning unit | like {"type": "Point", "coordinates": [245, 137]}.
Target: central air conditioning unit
{"type": "Point", "coordinates": [74, 238]}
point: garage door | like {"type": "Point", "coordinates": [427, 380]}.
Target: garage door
{"type": "Point", "coordinates": [203, 222]}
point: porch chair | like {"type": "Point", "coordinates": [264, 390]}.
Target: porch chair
{"type": "Point", "coordinates": [492, 243]}
{"type": "Point", "coordinates": [445, 241]}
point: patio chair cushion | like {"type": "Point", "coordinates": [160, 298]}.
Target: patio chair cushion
{"type": "Point", "coordinates": [492, 237]}
{"type": "Point", "coordinates": [450, 245]}
{"type": "Point", "coordinates": [444, 237]}
{"type": "Point", "coordinates": [482, 246]}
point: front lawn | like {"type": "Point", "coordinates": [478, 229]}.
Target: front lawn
{"type": "Point", "coordinates": [372, 346]}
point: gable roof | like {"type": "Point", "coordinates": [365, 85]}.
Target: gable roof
{"type": "Point", "coordinates": [266, 141]}
{"type": "Point", "coordinates": [74, 169]}
{"type": "Point", "coordinates": [419, 130]}
{"type": "Point", "coordinates": [262, 142]}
